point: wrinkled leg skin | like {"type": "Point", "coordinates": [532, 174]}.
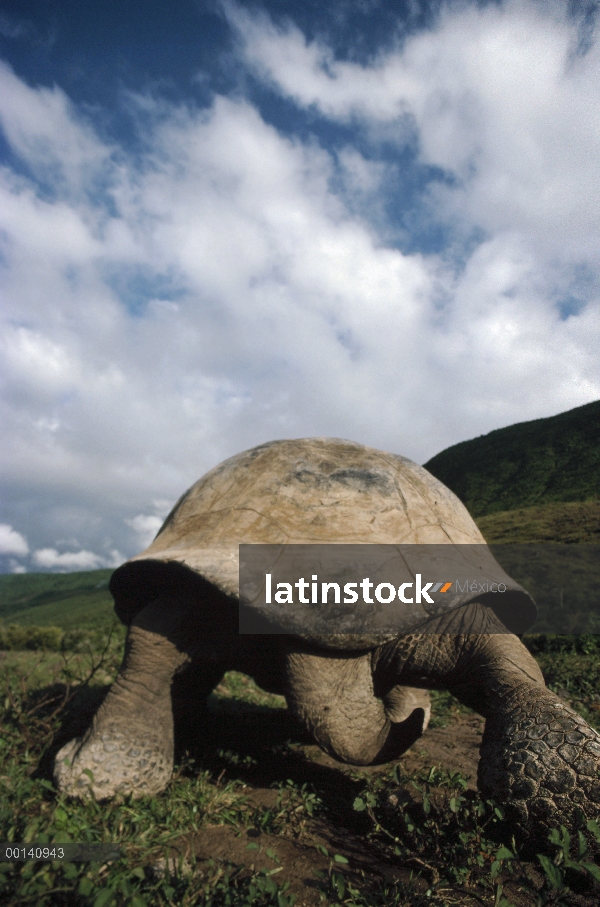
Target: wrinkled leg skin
{"type": "Point", "coordinates": [129, 747]}
{"type": "Point", "coordinates": [539, 759]}
{"type": "Point", "coordinates": [337, 701]}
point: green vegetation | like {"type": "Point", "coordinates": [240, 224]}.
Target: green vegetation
{"type": "Point", "coordinates": [39, 693]}
{"type": "Point", "coordinates": [571, 668]}
{"type": "Point", "coordinates": [563, 580]}
{"type": "Point", "coordinates": [420, 838]}
{"type": "Point", "coordinates": [526, 465]}
{"type": "Point", "coordinates": [57, 612]}
{"type": "Point", "coordinates": [573, 523]}
{"type": "Point", "coordinates": [67, 600]}
{"type": "Point", "coordinates": [16, 637]}
{"type": "Point", "coordinates": [377, 837]}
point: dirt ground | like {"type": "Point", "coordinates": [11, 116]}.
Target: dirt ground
{"type": "Point", "coordinates": [298, 856]}
{"type": "Point", "coordinates": [261, 748]}
{"type": "Point", "coordinates": [455, 748]}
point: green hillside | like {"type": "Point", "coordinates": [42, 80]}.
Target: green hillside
{"type": "Point", "coordinates": [67, 600]}
{"type": "Point", "coordinates": [526, 465]}
{"type": "Point", "coordinates": [572, 523]}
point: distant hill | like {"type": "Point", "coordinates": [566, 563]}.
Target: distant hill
{"type": "Point", "coordinates": [530, 464]}
{"type": "Point", "coordinates": [71, 601]}
{"type": "Point", "coordinates": [570, 523]}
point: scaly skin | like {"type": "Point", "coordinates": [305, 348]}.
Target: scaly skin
{"type": "Point", "coordinates": [542, 760]}
{"type": "Point", "coordinates": [539, 759]}
{"type": "Point", "coordinates": [174, 657]}
{"type": "Point", "coordinates": [335, 700]}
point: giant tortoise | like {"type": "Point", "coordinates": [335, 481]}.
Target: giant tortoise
{"type": "Point", "coordinates": [363, 698]}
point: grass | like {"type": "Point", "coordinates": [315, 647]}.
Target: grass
{"type": "Point", "coordinates": [444, 845]}
{"type": "Point", "coordinates": [381, 838]}
{"type": "Point", "coordinates": [417, 839]}
{"type": "Point", "coordinates": [571, 668]}
{"type": "Point", "coordinates": [66, 600]}
{"type": "Point", "coordinates": [36, 690]}
{"type": "Point", "coordinates": [568, 523]}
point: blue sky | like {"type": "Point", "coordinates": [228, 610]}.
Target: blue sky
{"type": "Point", "coordinates": [223, 223]}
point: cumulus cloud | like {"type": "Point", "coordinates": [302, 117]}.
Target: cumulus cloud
{"type": "Point", "coordinates": [232, 283]}
{"type": "Point", "coordinates": [146, 527]}
{"type": "Point", "coordinates": [54, 140]}
{"type": "Point", "coordinates": [493, 95]}
{"type": "Point", "coordinates": [70, 561]}
{"type": "Point", "coordinates": [12, 542]}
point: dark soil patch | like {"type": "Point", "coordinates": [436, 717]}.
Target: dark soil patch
{"type": "Point", "coordinates": [455, 748]}
{"type": "Point", "coordinates": [296, 854]}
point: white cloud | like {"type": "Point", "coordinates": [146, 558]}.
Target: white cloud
{"type": "Point", "coordinates": [166, 310]}
{"type": "Point", "coordinates": [11, 541]}
{"type": "Point", "coordinates": [68, 561]}
{"type": "Point", "coordinates": [51, 136]}
{"type": "Point", "coordinates": [495, 96]}
{"type": "Point", "coordinates": [146, 528]}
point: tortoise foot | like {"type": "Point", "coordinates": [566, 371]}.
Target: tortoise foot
{"type": "Point", "coordinates": [541, 760]}
{"type": "Point", "coordinates": [112, 762]}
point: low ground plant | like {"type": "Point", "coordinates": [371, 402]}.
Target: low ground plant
{"type": "Point", "coordinates": [19, 637]}
{"type": "Point", "coordinates": [425, 837]}
{"type": "Point", "coordinates": [31, 811]}
{"type": "Point", "coordinates": [463, 849]}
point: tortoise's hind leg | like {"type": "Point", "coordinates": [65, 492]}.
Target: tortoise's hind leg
{"type": "Point", "coordinates": [189, 691]}
{"type": "Point", "coordinates": [401, 702]}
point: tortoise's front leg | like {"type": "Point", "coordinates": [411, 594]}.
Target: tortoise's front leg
{"type": "Point", "coordinates": [539, 759]}
{"type": "Point", "coordinates": [129, 747]}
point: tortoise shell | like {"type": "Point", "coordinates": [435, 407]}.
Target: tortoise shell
{"type": "Point", "coordinates": [314, 491]}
